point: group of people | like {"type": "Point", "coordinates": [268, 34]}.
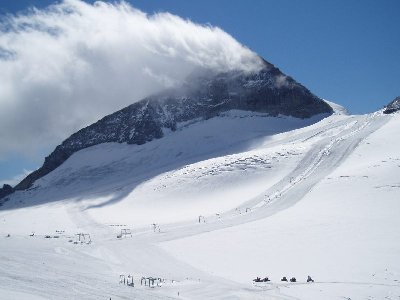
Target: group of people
{"type": "Point", "coordinates": [293, 279]}
{"type": "Point", "coordinates": [258, 279]}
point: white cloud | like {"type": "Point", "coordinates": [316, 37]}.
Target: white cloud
{"type": "Point", "coordinates": [68, 65]}
{"type": "Point", "coordinates": [281, 81]}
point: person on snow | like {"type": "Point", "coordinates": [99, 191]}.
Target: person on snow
{"type": "Point", "coordinates": [266, 279]}
{"type": "Point", "coordinates": [309, 279]}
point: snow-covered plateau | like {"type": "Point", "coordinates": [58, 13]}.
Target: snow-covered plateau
{"type": "Point", "coordinates": [211, 206]}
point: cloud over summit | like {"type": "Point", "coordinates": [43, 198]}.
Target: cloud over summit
{"type": "Point", "coordinates": [66, 66]}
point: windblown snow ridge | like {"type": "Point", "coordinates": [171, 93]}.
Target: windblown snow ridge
{"type": "Point", "coordinates": [203, 95]}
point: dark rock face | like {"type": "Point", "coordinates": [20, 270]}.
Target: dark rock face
{"type": "Point", "coordinates": [202, 96]}
{"type": "Point", "coordinates": [392, 106]}
{"type": "Point", "coordinates": [6, 190]}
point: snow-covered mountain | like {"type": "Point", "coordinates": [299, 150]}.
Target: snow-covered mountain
{"type": "Point", "coordinates": [203, 95]}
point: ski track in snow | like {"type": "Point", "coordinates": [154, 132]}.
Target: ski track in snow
{"type": "Point", "coordinates": [56, 269]}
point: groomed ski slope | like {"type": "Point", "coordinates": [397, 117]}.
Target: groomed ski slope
{"type": "Point", "coordinates": [319, 200]}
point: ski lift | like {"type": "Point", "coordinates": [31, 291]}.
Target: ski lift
{"type": "Point", "coordinates": [151, 281]}
{"type": "Point", "coordinates": [83, 238]}
{"type": "Point", "coordinates": [124, 233]}
{"type": "Point", "coordinates": [122, 279]}
{"type": "Point", "coordinates": [129, 281]}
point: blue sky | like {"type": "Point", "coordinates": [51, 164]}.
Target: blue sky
{"type": "Point", "coordinates": [345, 51]}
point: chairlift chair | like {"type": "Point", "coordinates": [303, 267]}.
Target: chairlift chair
{"type": "Point", "coordinates": [122, 278]}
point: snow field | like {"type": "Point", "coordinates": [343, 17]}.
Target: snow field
{"type": "Point", "coordinates": [294, 198]}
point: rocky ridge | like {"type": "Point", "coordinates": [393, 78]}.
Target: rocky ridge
{"type": "Point", "coordinates": [392, 106]}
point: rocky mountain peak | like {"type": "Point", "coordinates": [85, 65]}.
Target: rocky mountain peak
{"type": "Point", "coordinates": [392, 106]}
{"type": "Point", "coordinates": [203, 95]}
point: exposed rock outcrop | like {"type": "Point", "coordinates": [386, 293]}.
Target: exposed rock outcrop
{"type": "Point", "coordinates": [6, 190]}
{"type": "Point", "coordinates": [392, 106]}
